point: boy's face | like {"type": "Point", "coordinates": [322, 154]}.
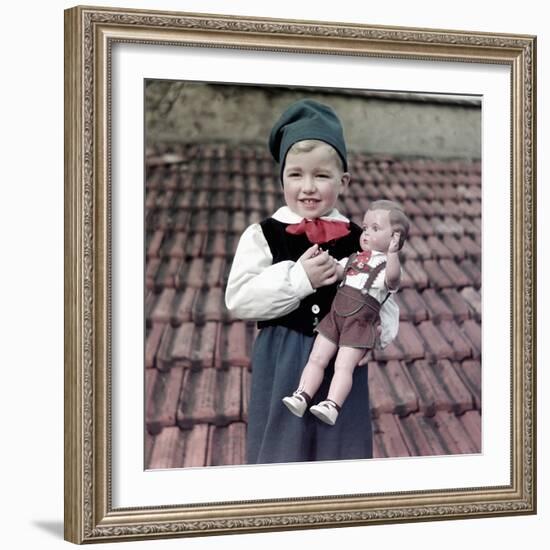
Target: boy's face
{"type": "Point", "coordinates": [312, 181]}
{"type": "Point", "coordinates": [377, 231]}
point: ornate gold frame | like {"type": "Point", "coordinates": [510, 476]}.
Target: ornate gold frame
{"type": "Point", "coordinates": [89, 34]}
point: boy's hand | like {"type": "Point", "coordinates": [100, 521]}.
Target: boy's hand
{"type": "Point", "coordinates": [394, 242]}
{"type": "Point", "coordinates": [369, 353]}
{"type": "Point", "coordinates": [319, 266]}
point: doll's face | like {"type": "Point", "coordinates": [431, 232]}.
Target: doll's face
{"type": "Point", "coordinates": [377, 231]}
{"type": "Point", "coordinates": [312, 181]}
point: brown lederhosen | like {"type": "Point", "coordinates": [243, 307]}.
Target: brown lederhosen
{"type": "Point", "coordinates": [354, 314]}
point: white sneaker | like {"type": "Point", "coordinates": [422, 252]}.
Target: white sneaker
{"type": "Point", "coordinates": [325, 411]}
{"type": "Point", "coordinates": [296, 404]}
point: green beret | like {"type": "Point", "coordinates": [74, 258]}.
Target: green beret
{"type": "Point", "coordinates": [306, 119]}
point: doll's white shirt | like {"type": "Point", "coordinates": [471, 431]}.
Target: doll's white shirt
{"type": "Point", "coordinates": [259, 290]}
{"type": "Point", "coordinates": [378, 288]}
{"type": "Point", "coordinates": [389, 313]}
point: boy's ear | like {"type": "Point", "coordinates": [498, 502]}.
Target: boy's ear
{"type": "Point", "coordinates": [345, 179]}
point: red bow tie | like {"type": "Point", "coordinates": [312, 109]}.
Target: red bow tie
{"type": "Point", "coordinates": [319, 231]}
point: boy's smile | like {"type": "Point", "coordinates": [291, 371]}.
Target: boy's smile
{"type": "Point", "coordinates": [312, 181]}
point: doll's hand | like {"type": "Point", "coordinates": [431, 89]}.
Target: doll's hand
{"type": "Point", "coordinates": [394, 242]}
{"type": "Point", "coordinates": [319, 267]}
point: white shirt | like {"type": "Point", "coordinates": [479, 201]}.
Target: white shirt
{"type": "Point", "coordinates": [259, 290]}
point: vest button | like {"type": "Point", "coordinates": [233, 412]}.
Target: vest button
{"type": "Point", "coordinates": [315, 309]}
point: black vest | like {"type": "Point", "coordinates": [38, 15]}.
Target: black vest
{"type": "Point", "coordinates": [284, 246]}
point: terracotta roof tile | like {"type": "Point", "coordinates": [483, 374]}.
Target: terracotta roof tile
{"type": "Point", "coordinates": [403, 389]}
{"type": "Point", "coordinates": [418, 432]}
{"type": "Point", "coordinates": [457, 276]}
{"type": "Point", "coordinates": [149, 445]}
{"type": "Point", "coordinates": [469, 226]}
{"type": "Point", "coordinates": [437, 308]}
{"type": "Point", "coordinates": [447, 226]}
{"type": "Point", "coordinates": [455, 247]}
{"type": "Point", "coordinates": [151, 269]}
{"type": "Point", "coordinates": [419, 244]}
{"type": "Point", "coordinates": [461, 347]}
{"type": "Point", "coordinates": [168, 448]}
{"type": "Point", "coordinates": [461, 398]}
{"type": "Point", "coordinates": [235, 347]}
{"type": "Point", "coordinates": [164, 355]}
{"type": "Point", "coordinates": [437, 277]}
{"type": "Point", "coordinates": [413, 211]}
{"type": "Point", "coordinates": [472, 330]}
{"type": "Point", "coordinates": [411, 305]}
{"type": "Point", "coordinates": [387, 438]}
{"type": "Point", "coordinates": [202, 354]}
{"type": "Point", "coordinates": [426, 207]}
{"type": "Point", "coordinates": [155, 243]}
{"type": "Point", "coordinates": [381, 400]}
{"type": "Point", "coordinates": [431, 395]}
{"type": "Point", "coordinates": [456, 303]}
{"type": "Point", "coordinates": [162, 309]}
{"type": "Point", "coordinates": [471, 248]}
{"type": "Point", "coordinates": [410, 342]}
{"type": "Point", "coordinates": [210, 396]}
{"type": "Point", "coordinates": [408, 252]}
{"type": "Point", "coordinates": [470, 374]}
{"type": "Point", "coordinates": [473, 270]}
{"type": "Point", "coordinates": [226, 445]}
{"type": "Point", "coordinates": [162, 390]}
{"type": "Point", "coordinates": [471, 422]}
{"type": "Point", "coordinates": [414, 275]}
{"type": "Point", "coordinates": [150, 301]}
{"type": "Point", "coordinates": [439, 250]}
{"type": "Point", "coordinates": [154, 335]}
{"type": "Point", "coordinates": [197, 403]}
{"type": "Point", "coordinates": [177, 245]}
{"type": "Point", "coordinates": [178, 346]}
{"type": "Point", "coordinates": [214, 306]}
{"type": "Point", "coordinates": [183, 306]}
{"type": "Point", "coordinates": [195, 245]}
{"type": "Point", "coordinates": [391, 352]}
{"type": "Point", "coordinates": [214, 272]}
{"type": "Point", "coordinates": [453, 433]}
{"type": "Point", "coordinates": [216, 244]}
{"type": "Point", "coordinates": [436, 345]}
{"type": "Point", "coordinates": [473, 298]}
{"type": "Point", "coordinates": [167, 273]}
{"type": "Point", "coordinates": [196, 447]}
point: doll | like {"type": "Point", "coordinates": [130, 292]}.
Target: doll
{"type": "Point", "coordinates": [350, 328]}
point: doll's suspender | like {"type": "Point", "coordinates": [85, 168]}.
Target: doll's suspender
{"type": "Point", "coordinates": [373, 273]}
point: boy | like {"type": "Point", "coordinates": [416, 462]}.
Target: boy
{"type": "Point", "coordinates": [281, 278]}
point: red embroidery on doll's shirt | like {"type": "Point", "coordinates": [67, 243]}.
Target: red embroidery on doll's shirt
{"type": "Point", "coordinates": [360, 263]}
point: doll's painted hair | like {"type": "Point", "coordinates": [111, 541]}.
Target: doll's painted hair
{"type": "Point", "coordinates": [398, 218]}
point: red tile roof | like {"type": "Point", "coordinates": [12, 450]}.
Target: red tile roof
{"type": "Point", "coordinates": [425, 387]}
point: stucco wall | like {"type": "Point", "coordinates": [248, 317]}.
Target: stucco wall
{"type": "Point", "coordinates": [400, 124]}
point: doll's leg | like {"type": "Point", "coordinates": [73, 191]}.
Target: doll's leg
{"type": "Point", "coordinates": [322, 352]}
{"type": "Point", "coordinates": [346, 361]}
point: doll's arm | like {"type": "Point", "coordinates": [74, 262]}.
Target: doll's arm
{"type": "Point", "coordinates": [393, 265]}
{"type": "Point", "coordinates": [340, 268]}
{"type": "Point", "coordinates": [259, 290]}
